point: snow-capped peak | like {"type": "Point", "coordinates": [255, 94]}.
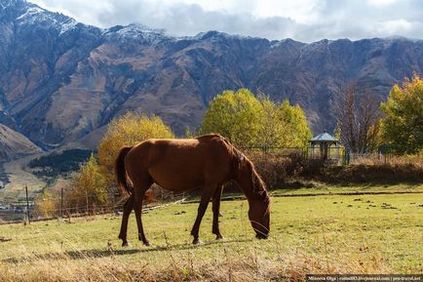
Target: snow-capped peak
{"type": "Point", "coordinates": [137, 31]}
{"type": "Point", "coordinates": [9, 3]}
{"type": "Point", "coordinates": [33, 14]}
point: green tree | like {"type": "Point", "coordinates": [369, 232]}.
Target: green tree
{"type": "Point", "coordinates": [402, 126]}
{"type": "Point", "coordinates": [272, 127]}
{"type": "Point", "coordinates": [235, 115]}
{"type": "Point", "coordinates": [128, 130]}
{"type": "Point", "coordinates": [248, 121]}
{"type": "Point", "coordinates": [297, 131]}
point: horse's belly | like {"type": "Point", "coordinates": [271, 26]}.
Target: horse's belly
{"type": "Point", "coordinates": [176, 179]}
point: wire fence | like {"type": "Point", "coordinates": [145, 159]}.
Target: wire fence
{"type": "Point", "coordinates": [56, 207]}
{"type": "Point", "coordinates": [275, 164]}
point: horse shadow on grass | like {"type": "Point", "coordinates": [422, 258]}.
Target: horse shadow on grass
{"type": "Point", "coordinates": [110, 252]}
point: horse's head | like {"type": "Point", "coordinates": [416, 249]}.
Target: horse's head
{"type": "Point", "coordinates": [258, 198]}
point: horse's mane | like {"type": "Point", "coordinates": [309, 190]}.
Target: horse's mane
{"type": "Point", "coordinates": [240, 158]}
{"type": "Point", "coordinates": [210, 136]}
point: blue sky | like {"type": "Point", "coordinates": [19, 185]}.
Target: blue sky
{"type": "Point", "coordinates": [303, 20]}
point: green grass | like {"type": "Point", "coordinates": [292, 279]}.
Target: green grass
{"type": "Point", "coordinates": [321, 234]}
{"type": "Point", "coordinates": [321, 188]}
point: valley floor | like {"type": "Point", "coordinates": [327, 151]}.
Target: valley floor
{"type": "Point", "coordinates": [309, 234]}
{"type": "Point", "coordinates": [18, 177]}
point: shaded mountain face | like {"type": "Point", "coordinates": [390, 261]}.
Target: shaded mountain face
{"type": "Point", "coordinates": [14, 145]}
{"type": "Point", "coordinates": [62, 81]}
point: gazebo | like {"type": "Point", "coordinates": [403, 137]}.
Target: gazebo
{"type": "Point", "coordinates": [324, 142]}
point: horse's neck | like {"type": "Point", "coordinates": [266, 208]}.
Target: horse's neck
{"type": "Point", "coordinates": [246, 186]}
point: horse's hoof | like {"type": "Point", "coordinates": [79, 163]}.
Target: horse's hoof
{"type": "Point", "coordinates": [261, 236]}
{"type": "Point", "coordinates": [125, 244]}
{"type": "Point", "coordinates": [146, 243]}
{"type": "Point", "coordinates": [219, 237]}
{"type": "Point", "coordinates": [196, 241]}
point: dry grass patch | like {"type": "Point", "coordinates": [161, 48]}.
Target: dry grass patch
{"type": "Point", "coordinates": [321, 234]}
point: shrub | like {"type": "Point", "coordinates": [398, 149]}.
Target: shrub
{"type": "Point", "coordinates": [276, 168]}
{"type": "Point", "coordinates": [45, 205]}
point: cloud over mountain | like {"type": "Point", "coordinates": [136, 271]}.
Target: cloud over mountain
{"type": "Point", "coordinates": [303, 20]}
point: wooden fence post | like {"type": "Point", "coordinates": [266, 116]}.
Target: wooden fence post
{"type": "Point", "coordinates": [61, 202]}
{"type": "Point", "coordinates": [27, 204]}
{"type": "Point", "coordinates": [86, 198]}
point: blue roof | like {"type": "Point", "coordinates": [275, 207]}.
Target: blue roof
{"type": "Point", "coordinates": [324, 137]}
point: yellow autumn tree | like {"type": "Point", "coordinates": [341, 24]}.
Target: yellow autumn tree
{"type": "Point", "coordinates": [128, 130]}
{"type": "Point", "coordinates": [402, 125]}
{"type": "Point", "coordinates": [45, 204]}
{"type": "Point", "coordinates": [89, 187]}
{"type": "Point", "coordinates": [297, 131]}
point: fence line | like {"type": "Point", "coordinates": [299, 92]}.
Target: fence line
{"type": "Point", "coordinates": [19, 211]}
{"type": "Point", "coordinates": [268, 159]}
{"type": "Point", "coordinates": [108, 210]}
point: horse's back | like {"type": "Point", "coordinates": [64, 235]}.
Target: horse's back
{"type": "Point", "coordinates": [179, 164]}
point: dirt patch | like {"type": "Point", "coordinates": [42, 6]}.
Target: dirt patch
{"type": "Point", "coordinates": [3, 239]}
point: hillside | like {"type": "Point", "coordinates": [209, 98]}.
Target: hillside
{"type": "Point", "coordinates": [14, 145]}
{"type": "Point", "coordinates": [62, 81]}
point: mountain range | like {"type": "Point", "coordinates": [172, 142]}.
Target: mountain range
{"type": "Point", "coordinates": [62, 81]}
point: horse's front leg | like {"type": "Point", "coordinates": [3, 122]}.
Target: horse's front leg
{"type": "Point", "coordinates": [216, 212]}
{"type": "Point", "coordinates": [127, 209]}
{"type": "Point", "coordinates": [205, 199]}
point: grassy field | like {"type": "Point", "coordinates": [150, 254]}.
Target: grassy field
{"type": "Point", "coordinates": [321, 188]}
{"type": "Point", "coordinates": [310, 234]}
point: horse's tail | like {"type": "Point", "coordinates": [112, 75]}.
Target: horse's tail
{"type": "Point", "coordinates": [120, 171]}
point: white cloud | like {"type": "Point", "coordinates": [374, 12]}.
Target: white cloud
{"type": "Point", "coordinates": [395, 26]}
{"type": "Point", "coordinates": [381, 2]}
{"type": "Point", "coordinates": [304, 20]}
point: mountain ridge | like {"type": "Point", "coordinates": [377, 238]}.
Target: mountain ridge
{"type": "Point", "coordinates": [61, 80]}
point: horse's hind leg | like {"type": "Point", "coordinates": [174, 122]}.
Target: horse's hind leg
{"type": "Point", "coordinates": [205, 199]}
{"type": "Point", "coordinates": [216, 212]}
{"type": "Point", "coordinates": [140, 187]}
{"type": "Point", "coordinates": [127, 208]}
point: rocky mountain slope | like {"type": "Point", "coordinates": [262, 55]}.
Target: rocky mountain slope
{"type": "Point", "coordinates": [62, 81]}
{"type": "Point", "coordinates": [14, 145]}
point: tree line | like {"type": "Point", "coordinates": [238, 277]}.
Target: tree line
{"type": "Point", "coordinates": [394, 126]}
{"type": "Point", "coordinates": [249, 120]}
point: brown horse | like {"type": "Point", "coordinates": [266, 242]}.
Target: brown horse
{"type": "Point", "coordinates": [180, 165]}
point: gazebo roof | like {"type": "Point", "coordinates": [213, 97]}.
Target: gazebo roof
{"type": "Point", "coordinates": [324, 137]}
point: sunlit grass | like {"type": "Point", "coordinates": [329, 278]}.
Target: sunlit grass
{"type": "Point", "coordinates": [321, 234]}
{"type": "Point", "coordinates": [322, 188]}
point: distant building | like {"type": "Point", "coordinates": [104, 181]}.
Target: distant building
{"type": "Point", "coordinates": [324, 146]}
